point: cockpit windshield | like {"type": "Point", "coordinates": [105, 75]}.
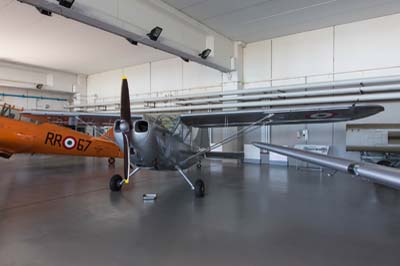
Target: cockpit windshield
{"type": "Point", "coordinates": [168, 122]}
{"type": "Point", "coordinates": [10, 111]}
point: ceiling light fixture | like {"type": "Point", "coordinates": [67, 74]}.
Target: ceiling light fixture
{"type": "Point", "coordinates": [205, 54]}
{"type": "Point", "coordinates": [155, 33]}
{"type": "Point", "coordinates": [44, 12]}
{"type": "Point", "coordinates": [132, 41]}
{"type": "Point", "coordinates": [66, 3]}
{"type": "Point", "coordinates": [185, 59]}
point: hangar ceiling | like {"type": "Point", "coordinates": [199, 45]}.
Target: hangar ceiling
{"type": "Point", "coordinates": [255, 20]}
{"type": "Point", "coordinates": [30, 38]}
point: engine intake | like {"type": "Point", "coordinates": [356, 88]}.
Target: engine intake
{"type": "Point", "coordinates": [141, 126]}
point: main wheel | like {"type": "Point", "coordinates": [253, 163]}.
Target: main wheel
{"type": "Point", "coordinates": [111, 161]}
{"type": "Point", "coordinates": [199, 188]}
{"type": "Point", "coordinates": [115, 183]}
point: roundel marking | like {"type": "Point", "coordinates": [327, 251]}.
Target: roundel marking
{"type": "Point", "coordinates": [323, 115]}
{"type": "Point", "coordinates": [69, 143]}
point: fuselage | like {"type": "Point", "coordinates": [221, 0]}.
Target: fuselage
{"type": "Point", "coordinates": [25, 137]}
{"type": "Point", "coordinates": [162, 143]}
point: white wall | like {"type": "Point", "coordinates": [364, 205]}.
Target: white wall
{"type": "Point", "coordinates": [18, 83]}
{"type": "Point", "coordinates": [362, 49]}
{"type": "Point", "coordinates": [21, 99]}
{"type": "Point", "coordinates": [159, 78]}
{"type": "Point", "coordinates": [257, 63]}
{"type": "Point", "coordinates": [305, 54]}
{"type": "Point", "coordinates": [368, 44]}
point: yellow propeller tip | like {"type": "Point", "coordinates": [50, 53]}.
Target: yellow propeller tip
{"type": "Point", "coordinates": [126, 181]}
{"type": "Point", "coordinates": [124, 77]}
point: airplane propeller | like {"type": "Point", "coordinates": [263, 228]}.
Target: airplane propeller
{"type": "Point", "coordinates": [126, 125]}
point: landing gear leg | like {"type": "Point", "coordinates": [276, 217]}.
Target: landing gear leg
{"type": "Point", "coordinates": [116, 181]}
{"type": "Point", "coordinates": [198, 188]}
{"type": "Point", "coordinates": [198, 165]}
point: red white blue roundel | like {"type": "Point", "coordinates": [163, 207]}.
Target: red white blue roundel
{"type": "Point", "coordinates": [322, 115]}
{"type": "Point", "coordinates": [69, 143]}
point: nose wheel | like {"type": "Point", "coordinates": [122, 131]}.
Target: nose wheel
{"type": "Point", "coordinates": [116, 183]}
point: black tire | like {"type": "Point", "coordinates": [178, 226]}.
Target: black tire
{"type": "Point", "coordinates": [199, 188]}
{"type": "Point", "coordinates": [115, 183]}
{"type": "Point", "coordinates": [111, 161]}
{"type": "Point", "coordinates": [385, 163]}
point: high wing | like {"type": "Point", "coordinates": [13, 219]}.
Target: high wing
{"type": "Point", "coordinates": [281, 116]}
{"type": "Point", "coordinates": [100, 119]}
{"type": "Point", "coordinates": [228, 118]}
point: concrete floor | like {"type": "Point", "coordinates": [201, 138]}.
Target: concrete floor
{"type": "Point", "coordinates": [58, 211]}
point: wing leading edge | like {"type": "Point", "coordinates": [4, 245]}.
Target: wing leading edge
{"type": "Point", "coordinates": [281, 116]}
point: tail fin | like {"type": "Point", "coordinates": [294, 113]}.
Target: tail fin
{"type": "Point", "coordinates": [108, 135]}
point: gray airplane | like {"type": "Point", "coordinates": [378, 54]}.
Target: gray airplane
{"type": "Point", "coordinates": [178, 142]}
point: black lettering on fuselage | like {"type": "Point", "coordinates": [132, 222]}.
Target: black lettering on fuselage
{"type": "Point", "coordinates": [58, 140]}
{"type": "Point", "coordinates": [49, 138]}
{"type": "Point", "coordinates": [53, 139]}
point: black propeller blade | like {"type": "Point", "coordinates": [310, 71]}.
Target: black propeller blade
{"type": "Point", "coordinates": [126, 103]}
{"type": "Point", "coordinates": [127, 125]}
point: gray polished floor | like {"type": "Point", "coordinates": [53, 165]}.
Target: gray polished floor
{"type": "Point", "coordinates": [58, 211]}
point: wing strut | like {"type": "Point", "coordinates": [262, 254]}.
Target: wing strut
{"type": "Point", "coordinates": [255, 125]}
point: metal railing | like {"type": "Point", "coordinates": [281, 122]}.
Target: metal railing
{"type": "Point", "coordinates": [386, 88]}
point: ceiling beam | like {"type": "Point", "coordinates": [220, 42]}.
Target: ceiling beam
{"type": "Point", "coordinates": [177, 25]}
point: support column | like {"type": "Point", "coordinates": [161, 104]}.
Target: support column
{"type": "Point", "coordinates": [234, 81]}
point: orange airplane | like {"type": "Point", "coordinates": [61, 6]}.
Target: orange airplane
{"type": "Point", "coordinates": [17, 136]}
